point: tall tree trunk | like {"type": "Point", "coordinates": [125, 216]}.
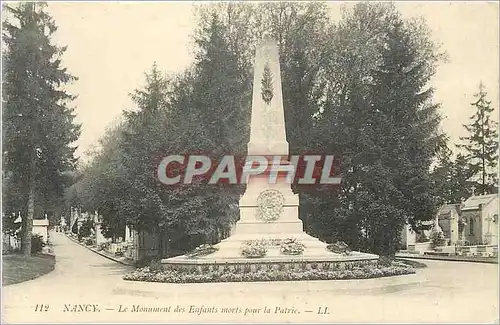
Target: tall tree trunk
{"type": "Point", "coordinates": [31, 209]}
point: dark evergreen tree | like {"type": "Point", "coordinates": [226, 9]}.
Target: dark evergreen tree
{"type": "Point", "coordinates": [451, 177]}
{"type": "Point", "coordinates": [403, 128]}
{"type": "Point", "coordinates": [481, 145]}
{"type": "Point", "coordinates": [221, 106]}
{"type": "Point", "coordinates": [38, 124]}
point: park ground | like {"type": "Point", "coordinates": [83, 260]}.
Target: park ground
{"type": "Point", "coordinates": [18, 268]}
{"type": "Point", "coordinates": [443, 292]}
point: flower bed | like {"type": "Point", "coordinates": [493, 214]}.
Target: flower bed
{"type": "Point", "coordinates": [271, 272]}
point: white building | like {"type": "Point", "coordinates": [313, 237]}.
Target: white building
{"type": "Point", "coordinates": [480, 214]}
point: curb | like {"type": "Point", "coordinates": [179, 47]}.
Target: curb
{"type": "Point", "coordinates": [349, 287]}
{"type": "Point", "coordinates": [99, 253]}
{"type": "Point", "coordinates": [449, 259]}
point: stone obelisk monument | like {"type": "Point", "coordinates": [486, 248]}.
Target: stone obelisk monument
{"type": "Point", "coordinates": [268, 210]}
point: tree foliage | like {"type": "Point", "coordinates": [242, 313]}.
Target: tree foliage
{"type": "Point", "coordinates": [451, 177]}
{"type": "Point", "coordinates": [38, 122]}
{"type": "Point", "coordinates": [481, 145]}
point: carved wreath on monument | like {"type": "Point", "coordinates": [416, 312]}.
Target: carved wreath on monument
{"type": "Point", "coordinates": [270, 205]}
{"type": "Point", "coordinates": [267, 85]}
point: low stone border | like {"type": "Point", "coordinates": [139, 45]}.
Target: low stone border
{"type": "Point", "coordinates": [162, 290]}
{"type": "Point", "coordinates": [255, 265]}
{"type": "Point", "coordinates": [103, 254]}
{"type": "Point", "coordinates": [490, 260]}
{"type": "Point", "coordinates": [412, 263]}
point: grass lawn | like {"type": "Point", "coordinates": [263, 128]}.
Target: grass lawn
{"type": "Point", "coordinates": [19, 268]}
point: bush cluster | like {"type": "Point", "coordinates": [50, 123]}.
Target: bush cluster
{"type": "Point", "coordinates": [437, 239]}
{"type": "Point", "coordinates": [37, 243]}
{"type": "Point", "coordinates": [103, 246]}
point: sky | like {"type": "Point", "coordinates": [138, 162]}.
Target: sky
{"type": "Point", "coordinates": [112, 44]}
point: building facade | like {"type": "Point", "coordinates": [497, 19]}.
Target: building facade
{"type": "Point", "coordinates": [480, 218]}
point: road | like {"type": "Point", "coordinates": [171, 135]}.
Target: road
{"type": "Point", "coordinates": [443, 292]}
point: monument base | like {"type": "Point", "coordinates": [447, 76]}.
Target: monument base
{"type": "Point", "coordinates": [228, 255]}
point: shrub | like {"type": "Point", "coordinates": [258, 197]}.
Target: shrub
{"type": "Point", "coordinates": [291, 246]}
{"type": "Point", "coordinates": [86, 228]}
{"type": "Point", "coordinates": [437, 238]}
{"type": "Point", "coordinates": [253, 249]}
{"type": "Point", "coordinates": [103, 246]}
{"type": "Point", "coordinates": [421, 237]}
{"type": "Point", "coordinates": [155, 266]}
{"type": "Point", "coordinates": [89, 241]}
{"type": "Point", "coordinates": [37, 243]}
{"type": "Point", "coordinates": [145, 261]}
{"type": "Point", "coordinates": [202, 250]}
{"type": "Point", "coordinates": [385, 260]}
{"type": "Point", "coordinates": [339, 248]}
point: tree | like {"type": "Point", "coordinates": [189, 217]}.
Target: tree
{"type": "Point", "coordinates": [39, 125]}
{"type": "Point", "coordinates": [376, 114]}
{"type": "Point", "coordinates": [340, 117]}
{"type": "Point", "coordinates": [481, 145]}
{"type": "Point", "coordinates": [405, 123]}
{"type": "Point", "coordinates": [221, 89]}
{"type": "Point", "coordinates": [451, 177]}
{"type": "Point", "coordinates": [220, 105]}
{"type": "Point", "coordinates": [101, 184]}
